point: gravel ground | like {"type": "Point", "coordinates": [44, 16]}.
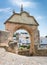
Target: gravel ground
{"type": "Point", "coordinates": [7, 58]}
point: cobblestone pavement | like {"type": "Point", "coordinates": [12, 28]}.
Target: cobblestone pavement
{"type": "Point", "coordinates": [7, 58]}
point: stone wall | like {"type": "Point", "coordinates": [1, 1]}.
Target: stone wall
{"type": "Point", "coordinates": [40, 52]}
{"type": "Point", "coordinates": [4, 36]}
{"type": "Point", "coordinates": [24, 52]}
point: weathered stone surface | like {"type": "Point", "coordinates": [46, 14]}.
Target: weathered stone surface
{"type": "Point", "coordinates": [4, 35]}
{"type": "Point", "coordinates": [12, 27]}
{"type": "Point", "coordinates": [40, 52]}
{"type": "Point", "coordinates": [23, 18]}
{"type": "Point", "coordinates": [23, 21]}
{"type": "Point", "coordinates": [7, 58]}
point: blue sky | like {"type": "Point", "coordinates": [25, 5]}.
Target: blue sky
{"type": "Point", "coordinates": [36, 8]}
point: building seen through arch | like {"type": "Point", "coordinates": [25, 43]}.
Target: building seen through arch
{"type": "Point", "coordinates": [22, 37]}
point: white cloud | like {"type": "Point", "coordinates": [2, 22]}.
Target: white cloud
{"type": "Point", "coordinates": [40, 17]}
{"type": "Point", "coordinates": [24, 2]}
{"type": "Point", "coordinates": [5, 9]}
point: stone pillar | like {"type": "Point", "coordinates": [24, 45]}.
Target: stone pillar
{"type": "Point", "coordinates": [11, 36]}
{"type": "Point", "coordinates": [32, 49]}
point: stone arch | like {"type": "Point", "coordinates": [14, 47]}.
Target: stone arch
{"type": "Point", "coordinates": [24, 27]}
{"type": "Point", "coordinates": [30, 31]}
{"type": "Point", "coordinates": [23, 20]}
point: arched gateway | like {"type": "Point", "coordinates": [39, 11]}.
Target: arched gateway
{"type": "Point", "coordinates": [23, 20]}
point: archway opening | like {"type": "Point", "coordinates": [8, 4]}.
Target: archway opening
{"type": "Point", "coordinates": [22, 37]}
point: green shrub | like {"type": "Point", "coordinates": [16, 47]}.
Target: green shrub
{"type": "Point", "coordinates": [23, 46]}
{"type": "Point", "coordinates": [28, 46]}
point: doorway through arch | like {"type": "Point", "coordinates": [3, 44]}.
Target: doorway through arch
{"type": "Point", "coordinates": [23, 39]}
